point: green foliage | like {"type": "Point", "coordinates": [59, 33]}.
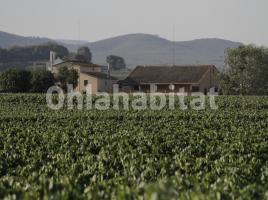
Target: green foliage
{"type": "Point", "coordinates": [67, 76]}
{"type": "Point", "coordinates": [84, 54]}
{"type": "Point", "coordinates": [116, 62]}
{"type": "Point", "coordinates": [20, 81]}
{"type": "Point", "coordinates": [247, 71]}
{"type": "Point", "coordinates": [31, 53]}
{"type": "Point", "coordinates": [41, 80]}
{"type": "Point", "coordinates": [15, 81]}
{"type": "Point", "coordinates": [147, 154]}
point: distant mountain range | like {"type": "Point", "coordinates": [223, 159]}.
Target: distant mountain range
{"type": "Point", "coordinates": [139, 49]}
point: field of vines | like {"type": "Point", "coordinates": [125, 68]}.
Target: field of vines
{"type": "Point", "coordinates": [167, 154]}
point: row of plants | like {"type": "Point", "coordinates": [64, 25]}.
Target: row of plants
{"type": "Point", "coordinates": [80, 154]}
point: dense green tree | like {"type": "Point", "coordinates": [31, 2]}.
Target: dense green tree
{"type": "Point", "coordinates": [32, 53]}
{"type": "Point", "coordinates": [246, 71]}
{"type": "Point", "coordinates": [84, 54]}
{"type": "Point", "coordinates": [67, 76]}
{"type": "Point", "coordinates": [41, 80]}
{"type": "Point", "coordinates": [116, 62]}
{"type": "Point", "coordinates": [14, 80]}
{"type": "Point", "coordinates": [228, 86]}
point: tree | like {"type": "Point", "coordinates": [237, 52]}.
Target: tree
{"type": "Point", "coordinates": [116, 62]}
{"type": "Point", "coordinates": [67, 76]}
{"type": "Point", "coordinates": [41, 80]}
{"type": "Point", "coordinates": [247, 71]}
{"type": "Point", "coordinates": [84, 54]}
{"type": "Point", "coordinates": [228, 85]}
{"type": "Point", "coordinates": [14, 80]}
{"type": "Point", "coordinates": [32, 53]}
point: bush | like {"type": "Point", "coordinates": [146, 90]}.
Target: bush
{"type": "Point", "coordinates": [21, 81]}
{"type": "Point", "coordinates": [41, 80]}
{"type": "Point", "coordinates": [67, 76]}
{"type": "Point", "coordinates": [14, 80]}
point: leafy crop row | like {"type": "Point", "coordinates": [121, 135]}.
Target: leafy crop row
{"type": "Point", "coordinates": [71, 154]}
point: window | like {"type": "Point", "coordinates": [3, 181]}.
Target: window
{"type": "Point", "coordinates": [85, 82]}
{"type": "Point", "coordinates": [195, 89]}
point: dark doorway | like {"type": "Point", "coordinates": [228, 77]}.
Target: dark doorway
{"type": "Point", "coordinates": [206, 91]}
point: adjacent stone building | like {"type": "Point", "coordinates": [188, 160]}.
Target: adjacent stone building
{"type": "Point", "coordinates": [171, 78]}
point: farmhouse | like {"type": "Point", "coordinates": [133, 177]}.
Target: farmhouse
{"type": "Point", "coordinates": [171, 78]}
{"type": "Point", "coordinates": [89, 73]}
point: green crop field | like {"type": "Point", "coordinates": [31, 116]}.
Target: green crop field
{"type": "Point", "coordinates": [72, 154]}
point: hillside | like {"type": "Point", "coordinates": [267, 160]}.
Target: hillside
{"type": "Point", "coordinates": [140, 49]}
{"type": "Point", "coordinates": [8, 40]}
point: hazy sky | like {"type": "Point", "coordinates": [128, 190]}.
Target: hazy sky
{"type": "Point", "coordinates": [238, 20]}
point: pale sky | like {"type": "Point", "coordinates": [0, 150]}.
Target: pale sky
{"type": "Point", "coordinates": [237, 20]}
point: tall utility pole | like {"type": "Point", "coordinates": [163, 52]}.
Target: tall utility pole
{"type": "Point", "coordinates": [173, 47]}
{"type": "Point", "coordinates": [79, 80]}
{"type": "Point", "coordinates": [79, 34]}
{"type": "Point", "coordinates": [109, 78]}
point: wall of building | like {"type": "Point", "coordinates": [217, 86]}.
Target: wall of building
{"type": "Point", "coordinates": [209, 80]}
{"type": "Point", "coordinates": [91, 80]}
{"type": "Point", "coordinates": [98, 85]}
{"type": "Point", "coordinates": [163, 88]}
{"type": "Point", "coordinates": [106, 85]}
{"type": "Point", "coordinates": [90, 69]}
{"type": "Point", "coordinates": [103, 85]}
